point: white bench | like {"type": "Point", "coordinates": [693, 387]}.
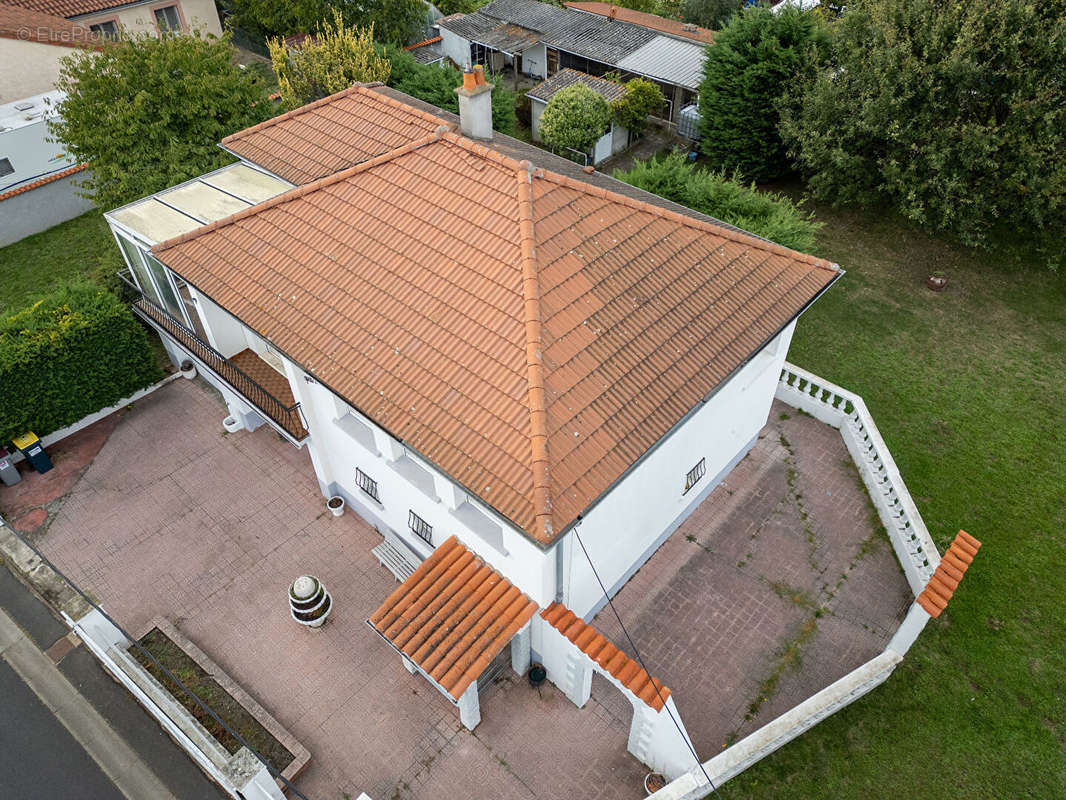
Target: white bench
{"type": "Point", "coordinates": [394, 560]}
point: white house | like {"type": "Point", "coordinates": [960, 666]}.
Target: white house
{"type": "Point", "coordinates": [517, 371]}
{"type": "Point", "coordinates": [615, 140]}
{"type": "Point", "coordinates": [108, 18]}
{"type": "Point", "coordinates": [539, 39]}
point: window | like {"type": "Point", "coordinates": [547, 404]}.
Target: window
{"type": "Point", "coordinates": [367, 484]}
{"type": "Point", "coordinates": [167, 19]}
{"type": "Point", "coordinates": [108, 30]}
{"type": "Point", "coordinates": [422, 529]}
{"type": "Point", "coordinates": [5, 167]}
{"type": "Point", "coordinates": [694, 475]}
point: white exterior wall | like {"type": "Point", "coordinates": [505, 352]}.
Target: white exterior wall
{"type": "Point", "coordinates": [455, 47]}
{"type": "Point", "coordinates": [194, 15]}
{"type": "Point", "coordinates": [614, 141]}
{"type": "Point", "coordinates": [338, 449]}
{"type": "Point", "coordinates": [536, 109]}
{"type": "Point", "coordinates": [535, 61]}
{"type": "Point", "coordinates": [601, 151]}
{"type": "Point", "coordinates": [647, 505]}
{"type": "Point", "coordinates": [29, 68]}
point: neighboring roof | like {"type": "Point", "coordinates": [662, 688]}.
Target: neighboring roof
{"type": "Point", "coordinates": [514, 25]}
{"type": "Point", "coordinates": [426, 52]}
{"type": "Point", "coordinates": [326, 136]}
{"type": "Point", "coordinates": [653, 21]}
{"type": "Point", "coordinates": [43, 181]}
{"type": "Point", "coordinates": [945, 580]}
{"type": "Point", "coordinates": [27, 24]}
{"type": "Point", "coordinates": [32, 110]}
{"type": "Point", "coordinates": [546, 90]}
{"type": "Point", "coordinates": [670, 60]}
{"type": "Point", "coordinates": [530, 334]}
{"type": "Point", "coordinates": [69, 8]}
{"type": "Point", "coordinates": [593, 644]}
{"type": "Point", "coordinates": [453, 616]}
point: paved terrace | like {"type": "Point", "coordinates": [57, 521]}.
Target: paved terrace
{"type": "Point", "coordinates": [748, 599]}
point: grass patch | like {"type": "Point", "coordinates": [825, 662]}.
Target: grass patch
{"type": "Point", "coordinates": [967, 389]}
{"type": "Point", "coordinates": [213, 695]}
{"type": "Point", "coordinates": [81, 247]}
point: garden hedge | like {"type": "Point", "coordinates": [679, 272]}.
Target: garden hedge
{"type": "Point", "coordinates": [68, 355]}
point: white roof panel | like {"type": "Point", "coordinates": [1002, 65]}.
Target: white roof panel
{"type": "Point", "coordinates": [669, 60]}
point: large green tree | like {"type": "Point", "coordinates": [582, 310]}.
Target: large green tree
{"type": "Point", "coordinates": [398, 21]}
{"type": "Point", "coordinates": [954, 113]}
{"type": "Point", "coordinates": [712, 14]}
{"type": "Point", "coordinates": [748, 69]}
{"type": "Point", "coordinates": [333, 59]}
{"type": "Point", "coordinates": [147, 112]}
{"type": "Point", "coordinates": [575, 118]}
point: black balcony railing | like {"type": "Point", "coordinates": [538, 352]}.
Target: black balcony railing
{"type": "Point", "coordinates": [286, 416]}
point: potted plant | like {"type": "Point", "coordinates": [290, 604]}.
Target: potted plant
{"type": "Point", "coordinates": [537, 675]}
{"type": "Point", "coordinates": [188, 369]}
{"type": "Point", "coordinates": [937, 281]}
{"type": "Point", "coordinates": [336, 505]}
{"type": "Point", "coordinates": [653, 782]}
{"type": "Point", "coordinates": [309, 602]}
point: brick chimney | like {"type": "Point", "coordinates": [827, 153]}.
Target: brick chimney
{"type": "Point", "coordinates": [475, 104]}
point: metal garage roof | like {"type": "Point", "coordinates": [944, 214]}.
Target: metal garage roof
{"type": "Point", "coordinates": [668, 59]}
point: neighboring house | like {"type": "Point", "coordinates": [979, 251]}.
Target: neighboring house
{"type": "Point", "coordinates": [486, 350]}
{"type": "Point", "coordinates": [31, 46]}
{"type": "Point", "coordinates": [108, 17]}
{"type": "Point", "coordinates": [427, 52]}
{"type": "Point", "coordinates": [676, 27]}
{"type": "Point", "coordinates": [615, 140]}
{"type": "Point", "coordinates": [538, 39]}
{"type": "Point", "coordinates": [37, 174]}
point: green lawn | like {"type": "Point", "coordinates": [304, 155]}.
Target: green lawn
{"type": "Point", "coordinates": [968, 388]}
{"type": "Point", "coordinates": [82, 246]}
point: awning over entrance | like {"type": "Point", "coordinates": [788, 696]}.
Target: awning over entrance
{"type": "Point", "coordinates": [453, 616]}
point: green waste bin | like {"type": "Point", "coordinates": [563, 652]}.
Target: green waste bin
{"type": "Point", "coordinates": [30, 446]}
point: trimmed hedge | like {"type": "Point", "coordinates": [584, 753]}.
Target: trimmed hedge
{"type": "Point", "coordinates": [68, 355]}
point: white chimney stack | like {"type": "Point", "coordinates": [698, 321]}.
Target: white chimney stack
{"type": "Point", "coordinates": [475, 104]}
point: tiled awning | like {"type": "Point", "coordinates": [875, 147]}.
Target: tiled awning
{"type": "Point", "coordinates": [453, 616]}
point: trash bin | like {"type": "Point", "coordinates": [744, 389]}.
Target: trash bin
{"type": "Point", "coordinates": [30, 446]}
{"type": "Point", "coordinates": [8, 474]}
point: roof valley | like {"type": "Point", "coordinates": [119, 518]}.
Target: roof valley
{"type": "Point", "coordinates": [537, 397]}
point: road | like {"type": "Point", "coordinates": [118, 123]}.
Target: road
{"type": "Point", "coordinates": [67, 730]}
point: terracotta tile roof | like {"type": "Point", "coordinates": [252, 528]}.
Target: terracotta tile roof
{"type": "Point", "coordinates": [69, 8]}
{"type": "Point", "coordinates": [27, 24]}
{"type": "Point", "coordinates": [423, 43]}
{"type": "Point", "coordinates": [43, 181]}
{"type": "Point", "coordinates": [326, 136]}
{"type": "Point", "coordinates": [646, 20]}
{"type": "Point", "coordinates": [593, 644]}
{"type": "Point", "coordinates": [453, 616]}
{"type": "Point", "coordinates": [546, 90]}
{"type": "Point", "coordinates": [530, 334]}
{"type": "Point", "coordinates": [934, 598]}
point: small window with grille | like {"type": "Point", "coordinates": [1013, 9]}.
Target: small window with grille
{"type": "Point", "coordinates": [422, 529]}
{"type": "Point", "coordinates": [367, 484]}
{"type": "Point", "coordinates": [694, 475]}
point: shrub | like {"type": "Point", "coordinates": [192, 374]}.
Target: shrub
{"type": "Point", "coordinates": [575, 117]}
{"type": "Point", "coordinates": [748, 70]}
{"type": "Point", "coordinates": [642, 99]}
{"type": "Point", "coordinates": [951, 113]}
{"type": "Point", "coordinates": [148, 112]}
{"type": "Point", "coordinates": [394, 20]}
{"type": "Point", "coordinates": [765, 214]}
{"type": "Point", "coordinates": [332, 60]}
{"type": "Point", "coordinates": [436, 85]}
{"type": "Point", "coordinates": [70, 354]}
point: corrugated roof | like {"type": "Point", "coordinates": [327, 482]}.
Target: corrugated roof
{"type": "Point", "coordinates": [653, 21]}
{"type": "Point", "coordinates": [546, 90]}
{"type": "Point", "coordinates": [330, 134]}
{"type": "Point", "coordinates": [528, 333]}
{"type": "Point", "coordinates": [670, 60]}
{"type": "Point", "coordinates": [945, 580]}
{"type": "Point", "coordinates": [491, 32]}
{"type": "Point", "coordinates": [453, 616]}
{"type": "Point", "coordinates": [596, 646]}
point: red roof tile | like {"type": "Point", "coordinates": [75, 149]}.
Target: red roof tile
{"type": "Point", "coordinates": [330, 134]}
{"type": "Point", "coordinates": [26, 23]}
{"type": "Point", "coordinates": [644, 19]}
{"type": "Point", "coordinates": [530, 334]}
{"type": "Point", "coordinates": [68, 8]}
{"type": "Point", "coordinates": [934, 598]}
{"type": "Point", "coordinates": [453, 616]}
{"type": "Point", "coordinates": [624, 669]}
{"type": "Point", "coordinates": [43, 181]}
